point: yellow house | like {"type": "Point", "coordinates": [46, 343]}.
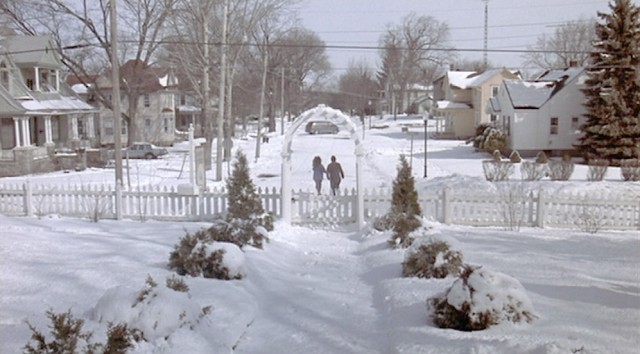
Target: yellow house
{"type": "Point", "coordinates": [462, 97]}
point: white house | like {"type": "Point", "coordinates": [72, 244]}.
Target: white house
{"type": "Point", "coordinates": [544, 114]}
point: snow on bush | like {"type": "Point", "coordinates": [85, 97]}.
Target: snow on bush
{"type": "Point", "coordinates": [479, 299]}
{"type": "Point", "coordinates": [429, 257]}
{"type": "Point", "coordinates": [198, 255]}
{"type": "Point", "coordinates": [154, 313]}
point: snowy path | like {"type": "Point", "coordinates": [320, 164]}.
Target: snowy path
{"type": "Point", "coordinates": [325, 310]}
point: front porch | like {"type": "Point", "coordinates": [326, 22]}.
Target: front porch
{"type": "Point", "coordinates": [39, 144]}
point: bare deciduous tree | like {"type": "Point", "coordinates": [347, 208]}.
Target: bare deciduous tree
{"type": "Point", "coordinates": [571, 42]}
{"type": "Point", "coordinates": [358, 87]}
{"type": "Point", "coordinates": [412, 53]}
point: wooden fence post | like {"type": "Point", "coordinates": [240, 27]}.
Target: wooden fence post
{"type": "Point", "coordinates": [446, 206]}
{"type": "Point", "coordinates": [540, 209]}
{"type": "Point", "coordinates": [28, 199]}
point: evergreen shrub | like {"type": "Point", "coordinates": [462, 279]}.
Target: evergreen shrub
{"type": "Point", "coordinates": [479, 299]}
{"type": "Point", "coordinates": [405, 209]}
{"type": "Point", "coordinates": [515, 157]}
{"type": "Point", "coordinates": [431, 259]}
{"type": "Point", "coordinates": [69, 338]}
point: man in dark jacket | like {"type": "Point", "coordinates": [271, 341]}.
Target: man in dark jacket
{"type": "Point", "coordinates": [335, 175]}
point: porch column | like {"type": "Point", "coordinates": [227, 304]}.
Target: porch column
{"type": "Point", "coordinates": [74, 127]}
{"type": "Point", "coordinates": [48, 134]}
{"type": "Point", "coordinates": [16, 131]}
{"type": "Point", "coordinates": [37, 75]}
{"type": "Point", "coordinates": [90, 126]}
{"type": "Point", "coordinates": [26, 137]}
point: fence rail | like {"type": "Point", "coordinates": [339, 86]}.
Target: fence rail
{"type": "Point", "coordinates": [508, 208]}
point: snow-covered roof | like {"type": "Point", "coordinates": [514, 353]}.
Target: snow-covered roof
{"type": "Point", "coordinates": [55, 103]}
{"type": "Point", "coordinates": [188, 108]}
{"type": "Point", "coordinates": [451, 105]}
{"type": "Point", "coordinates": [459, 78]}
{"type": "Point", "coordinates": [525, 94]}
{"type": "Point", "coordinates": [80, 89]}
{"type": "Point", "coordinates": [534, 94]}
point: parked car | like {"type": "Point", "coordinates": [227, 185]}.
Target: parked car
{"type": "Point", "coordinates": [143, 151]}
{"type": "Point", "coordinates": [321, 127]}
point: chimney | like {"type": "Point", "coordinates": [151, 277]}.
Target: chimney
{"type": "Point", "coordinates": [573, 63]}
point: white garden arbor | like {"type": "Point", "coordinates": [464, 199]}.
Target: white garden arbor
{"type": "Point", "coordinates": [343, 121]}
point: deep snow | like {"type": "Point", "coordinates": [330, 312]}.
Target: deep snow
{"type": "Point", "coordinates": [321, 290]}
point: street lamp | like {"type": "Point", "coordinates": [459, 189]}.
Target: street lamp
{"type": "Point", "coordinates": [425, 117]}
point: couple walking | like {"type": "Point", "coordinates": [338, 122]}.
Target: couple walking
{"type": "Point", "coordinates": [333, 171]}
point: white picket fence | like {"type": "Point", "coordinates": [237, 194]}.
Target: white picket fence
{"type": "Point", "coordinates": [512, 208]}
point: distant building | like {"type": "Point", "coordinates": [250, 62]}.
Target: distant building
{"type": "Point", "coordinates": [43, 123]}
{"type": "Point", "coordinates": [156, 109]}
{"type": "Point", "coordinates": [461, 98]}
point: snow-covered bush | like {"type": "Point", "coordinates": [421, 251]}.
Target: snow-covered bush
{"type": "Point", "coordinates": [515, 157]}
{"type": "Point", "coordinates": [490, 139]}
{"type": "Point", "coordinates": [153, 313]}
{"type": "Point", "coordinates": [198, 255]}
{"type": "Point", "coordinates": [597, 169]}
{"type": "Point", "coordinates": [497, 170]}
{"type": "Point", "coordinates": [541, 157]}
{"type": "Point", "coordinates": [630, 169]}
{"type": "Point", "coordinates": [429, 258]}
{"type": "Point", "coordinates": [479, 299]}
{"type": "Point", "coordinates": [68, 337]}
{"type": "Point", "coordinates": [533, 171]}
{"type": "Point", "coordinates": [560, 170]}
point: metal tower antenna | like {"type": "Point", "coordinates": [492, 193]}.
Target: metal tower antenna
{"type": "Point", "coordinates": [486, 30]}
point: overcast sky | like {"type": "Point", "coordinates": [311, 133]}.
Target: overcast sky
{"type": "Point", "coordinates": [513, 24]}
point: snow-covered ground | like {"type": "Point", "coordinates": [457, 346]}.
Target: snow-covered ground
{"type": "Point", "coordinates": [335, 290]}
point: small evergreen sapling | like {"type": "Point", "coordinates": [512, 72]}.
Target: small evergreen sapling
{"type": "Point", "coordinates": [405, 209]}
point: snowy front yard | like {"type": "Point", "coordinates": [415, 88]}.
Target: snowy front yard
{"type": "Point", "coordinates": [322, 291]}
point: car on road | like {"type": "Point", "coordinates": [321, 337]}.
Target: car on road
{"type": "Point", "coordinates": [143, 151]}
{"type": "Point", "coordinates": [321, 127]}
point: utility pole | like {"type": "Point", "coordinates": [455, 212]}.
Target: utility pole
{"type": "Point", "coordinates": [221, 95]}
{"type": "Point", "coordinates": [282, 102]}
{"type": "Point", "coordinates": [205, 84]}
{"type": "Point", "coordinates": [264, 86]}
{"type": "Point", "coordinates": [115, 83]}
{"type": "Point", "coordinates": [486, 30]}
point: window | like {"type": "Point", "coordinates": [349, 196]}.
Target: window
{"type": "Point", "coordinates": [183, 100]}
{"type": "Point", "coordinates": [30, 84]}
{"type": "Point", "coordinates": [167, 125]}
{"type": "Point", "coordinates": [147, 100]}
{"type": "Point", "coordinates": [493, 118]}
{"type": "Point", "coordinates": [554, 126]}
{"type": "Point", "coordinates": [4, 76]}
{"type": "Point", "coordinates": [575, 123]}
{"type": "Point", "coordinates": [494, 91]}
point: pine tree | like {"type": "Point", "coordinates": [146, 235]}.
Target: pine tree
{"type": "Point", "coordinates": [612, 130]}
{"type": "Point", "coordinates": [244, 202]}
{"type": "Point", "coordinates": [404, 199]}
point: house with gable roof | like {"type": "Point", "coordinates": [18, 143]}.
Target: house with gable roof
{"type": "Point", "coordinates": [461, 98]}
{"type": "Point", "coordinates": [156, 108]}
{"type": "Point", "coordinates": [39, 114]}
{"type": "Point", "coordinates": [544, 114]}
